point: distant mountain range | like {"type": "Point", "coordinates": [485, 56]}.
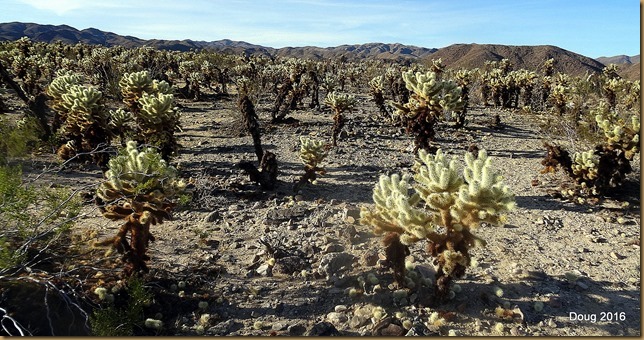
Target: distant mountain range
{"type": "Point", "coordinates": [458, 55]}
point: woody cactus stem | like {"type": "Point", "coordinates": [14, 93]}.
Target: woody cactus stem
{"type": "Point", "coordinates": [443, 209]}
{"type": "Point", "coordinates": [139, 188]}
{"type": "Point", "coordinates": [251, 122]}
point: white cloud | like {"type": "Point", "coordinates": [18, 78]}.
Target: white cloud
{"type": "Point", "coordinates": [62, 7]}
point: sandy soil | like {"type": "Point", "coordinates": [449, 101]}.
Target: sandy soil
{"type": "Point", "coordinates": [213, 245]}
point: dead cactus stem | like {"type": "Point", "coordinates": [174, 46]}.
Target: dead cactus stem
{"type": "Point", "coordinates": [251, 122]}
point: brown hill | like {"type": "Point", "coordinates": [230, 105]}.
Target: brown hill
{"type": "Point", "coordinates": [526, 57]}
{"type": "Point", "coordinates": [619, 59]}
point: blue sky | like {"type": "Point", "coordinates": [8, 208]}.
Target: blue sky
{"type": "Point", "coordinates": [592, 28]}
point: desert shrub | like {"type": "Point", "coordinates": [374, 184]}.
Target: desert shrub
{"type": "Point", "coordinates": [17, 139]}
{"type": "Point", "coordinates": [444, 209]}
{"type": "Point", "coordinates": [34, 219]}
{"type": "Point", "coordinates": [121, 318]}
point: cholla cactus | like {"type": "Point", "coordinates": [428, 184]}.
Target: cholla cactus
{"type": "Point", "coordinates": [464, 80]}
{"type": "Point", "coordinates": [60, 86]}
{"type": "Point", "coordinates": [585, 165]}
{"type": "Point", "coordinates": [377, 88]}
{"type": "Point", "coordinates": [619, 134]}
{"type": "Point", "coordinates": [560, 96]}
{"type": "Point", "coordinates": [312, 153]}
{"type": "Point", "coordinates": [81, 120]}
{"type": "Point", "coordinates": [429, 98]}
{"type": "Point", "coordinates": [133, 86]}
{"type": "Point", "coordinates": [118, 120]}
{"type": "Point", "coordinates": [157, 120]}
{"type": "Point", "coordinates": [339, 102]}
{"type": "Point", "coordinates": [443, 209]}
{"type": "Point", "coordinates": [139, 188]}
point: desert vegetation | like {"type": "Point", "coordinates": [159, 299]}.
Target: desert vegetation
{"type": "Point", "coordinates": [152, 192]}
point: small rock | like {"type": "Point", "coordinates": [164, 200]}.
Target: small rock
{"type": "Point", "coordinates": [296, 330]}
{"type": "Point", "coordinates": [212, 217]}
{"type": "Point", "coordinates": [370, 258]}
{"type": "Point", "coordinates": [333, 248]}
{"type": "Point", "coordinates": [264, 270]}
{"type": "Point", "coordinates": [335, 263]}
{"type": "Point", "coordinates": [340, 308]}
{"type": "Point", "coordinates": [322, 329]}
{"type": "Point", "coordinates": [337, 318]}
{"type": "Point", "coordinates": [616, 256]}
{"type": "Point", "coordinates": [582, 285]}
{"type": "Point", "coordinates": [358, 321]}
{"type": "Point", "coordinates": [278, 326]}
{"type": "Point", "coordinates": [552, 323]}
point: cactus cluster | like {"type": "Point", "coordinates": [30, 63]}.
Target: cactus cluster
{"type": "Point", "coordinates": [443, 208]}
{"type": "Point", "coordinates": [598, 170]}
{"type": "Point", "coordinates": [429, 98]}
{"type": "Point", "coordinates": [134, 85]}
{"type": "Point", "coordinates": [619, 133]}
{"type": "Point", "coordinates": [81, 120]}
{"type": "Point", "coordinates": [151, 105]}
{"type": "Point", "coordinates": [140, 188]}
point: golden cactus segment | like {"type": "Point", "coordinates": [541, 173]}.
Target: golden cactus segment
{"type": "Point", "coordinates": [134, 84]}
{"type": "Point", "coordinates": [135, 172]}
{"type": "Point", "coordinates": [585, 165]}
{"type": "Point", "coordinates": [340, 102]}
{"type": "Point", "coordinates": [312, 152]}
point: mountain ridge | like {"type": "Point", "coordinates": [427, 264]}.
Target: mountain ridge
{"type": "Point", "coordinates": [456, 55]}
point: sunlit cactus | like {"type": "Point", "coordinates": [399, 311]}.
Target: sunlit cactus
{"type": "Point", "coordinates": [443, 208]}
{"type": "Point", "coordinates": [339, 102]}
{"type": "Point", "coordinates": [621, 134]}
{"type": "Point", "coordinates": [585, 165]}
{"type": "Point", "coordinates": [312, 153]}
{"type": "Point", "coordinates": [429, 98]}
{"type": "Point", "coordinates": [134, 85]}
{"type": "Point", "coordinates": [157, 120]}
{"type": "Point", "coordinates": [141, 189]}
{"type": "Point", "coordinates": [60, 86]}
{"type": "Point", "coordinates": [377, 89]}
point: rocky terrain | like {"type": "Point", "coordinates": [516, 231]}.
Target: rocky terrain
{"type": "Point", "coordinates": [239, 260]}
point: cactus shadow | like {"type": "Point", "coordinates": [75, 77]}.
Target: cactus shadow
{"type": "Point", "coordinates": [560, 298]}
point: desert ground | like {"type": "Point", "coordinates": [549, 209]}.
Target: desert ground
{"type": "Point", "coordinates": [275, 262]}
